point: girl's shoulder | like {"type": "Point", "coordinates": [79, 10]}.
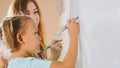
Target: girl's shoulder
{"type": "Point", "coordinates": [21, 59]}
{"type": "Point", "coordinates": [29, 62]}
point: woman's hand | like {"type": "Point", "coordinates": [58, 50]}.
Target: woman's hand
{"type": "Point", "coordinates": [55, 50]}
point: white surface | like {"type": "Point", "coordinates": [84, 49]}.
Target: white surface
{"type": "Point", "coordinates": [100, 32]}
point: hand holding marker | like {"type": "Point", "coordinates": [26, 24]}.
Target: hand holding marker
{"type": "Point", "coordinates": [63, 28]}
{"type": "Point", "coordinates": [58, 33]}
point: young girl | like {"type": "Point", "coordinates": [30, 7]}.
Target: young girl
{"type": "Point", "coordinates": [20, 35]}
{"type": "Point", "coordinates": [31, 8]}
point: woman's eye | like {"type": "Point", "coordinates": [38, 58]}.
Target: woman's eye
{"type": "Point", "coordinates": [27, 13]}
{"type": "Point", "coordinates": [36, 12]}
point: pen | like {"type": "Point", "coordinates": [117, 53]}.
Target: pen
{"type": "Point", "coordinates": [63, 28]}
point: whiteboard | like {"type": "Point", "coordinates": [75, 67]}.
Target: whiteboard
{"type": "Point", "coordinates": [70, 11]}
{"type": "Point", "coordinates": [100, 32]}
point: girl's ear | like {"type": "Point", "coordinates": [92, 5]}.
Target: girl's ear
{"type": "Point", "coordinates": [19, 38]}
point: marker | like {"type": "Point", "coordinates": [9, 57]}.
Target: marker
{"type": "Point", "coordinates": [49, 45]}
{"type": "Point", "coordinates": [63, 28]}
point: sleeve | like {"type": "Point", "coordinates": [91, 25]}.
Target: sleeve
{"type": "Point", "coordinates": [37, 63]}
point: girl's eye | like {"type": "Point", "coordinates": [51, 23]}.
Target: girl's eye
{"type": "Point", "coordinates": [36, 32]}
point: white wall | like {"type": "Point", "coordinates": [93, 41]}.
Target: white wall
{"type": "Point", "coordinates": [100, 32]}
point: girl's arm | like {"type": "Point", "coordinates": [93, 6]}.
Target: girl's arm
{"type": "Point", "coordinates": [71, 56]}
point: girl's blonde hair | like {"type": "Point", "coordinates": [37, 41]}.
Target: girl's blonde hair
{"type": "Point", "coordinates": [10, 27]}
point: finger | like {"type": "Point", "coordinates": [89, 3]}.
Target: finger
{"type": "Point", "coordinates": [77, 22]}
{"type": "Point", "coordinates": [54, 41]}
{"type": "Point", "coordinates": [53, 46]}
{"type": "Point", "coordinates": [59, 46]}
{"type": "Point", "coordinates": [59, 40]}
{"type": "Point", "coordinates": [73, 20]}
{"type": "Point", "coordinates": [69, 21]}
{"type": "Point", "coordinates": [56, 46]}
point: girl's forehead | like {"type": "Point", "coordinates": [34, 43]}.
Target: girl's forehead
{"type": "Point", "coordinates": [31, 23]}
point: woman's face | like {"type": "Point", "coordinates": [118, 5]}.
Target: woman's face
{"type": "Point", "coordinates": [32, 12]}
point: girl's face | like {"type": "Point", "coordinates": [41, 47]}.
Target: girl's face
{"type": "Point", "coordinates": [32, 12]}
{"type": "Point", "coordinates": [31, 39]}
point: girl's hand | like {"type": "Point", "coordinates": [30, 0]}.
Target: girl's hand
{"type": "Point", "coordinates": [73, 28]}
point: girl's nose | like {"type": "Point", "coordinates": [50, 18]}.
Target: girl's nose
{"type": "Point", "coordinates": [40, 38]}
